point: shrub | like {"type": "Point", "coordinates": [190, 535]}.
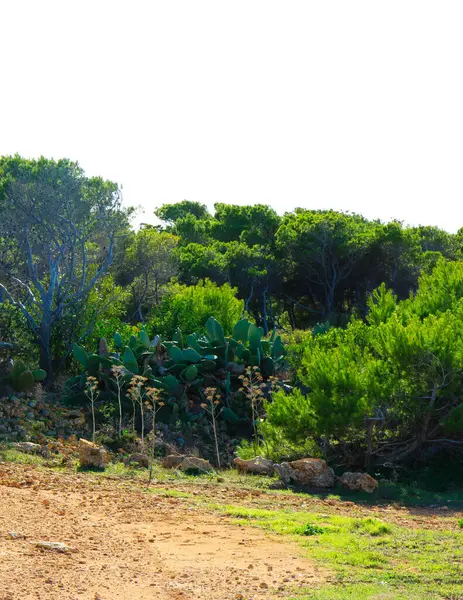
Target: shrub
{"type": "Point", "coordinates": [390, 387]}
{"type": "Point", "coordinates": [189, 307]}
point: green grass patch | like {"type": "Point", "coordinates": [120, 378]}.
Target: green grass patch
{"type": "Point", "coordinates": [11, 455]}
{"type": "Point", "coordinates": [370, 558]}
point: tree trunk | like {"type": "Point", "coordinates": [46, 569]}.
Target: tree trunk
{"type": "Point", "coordinates": [264, 311]}
{"type": "Point", "coordinates": [369, 452]}
{"type": "Point", "coordinates": [44, 349]}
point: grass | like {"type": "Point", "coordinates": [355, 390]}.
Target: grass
{"type": "Point", "coordinates": [370, 559]}
{"type": "Point", "coordinates": [12, 455]}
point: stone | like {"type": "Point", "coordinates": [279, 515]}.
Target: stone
{"type": "Point", "coordinates": [359, 482]}
{"type": "Point", "coordinates": [28, 447]}
{"type": "Point", "coordinates": [308, 472]}
{"type": "Point", "coordinates": [91, 455]}
{"type": "Point", "coordinates": [172, 461]}
{"type": "Point", "coordinates": [14, 535]}
{"type": "Point", "coordinates": [277, 485]}
{"type": "Point", "coordinates": [192, 463]}
{"type": "Point", "coordinates": [141, 460]}
{"type": "Point", "coordinates": [258, 465]}
{"type": "Point", "coordinates": [54, 546]}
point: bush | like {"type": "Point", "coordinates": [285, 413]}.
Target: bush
{"type": "Point", "coordinates": [390, 388]}
{"type": "Point", "coordinates": [189, 307]}
{"type": "Point", "coordinates": [275, 446]}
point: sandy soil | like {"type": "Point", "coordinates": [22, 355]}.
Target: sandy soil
{"type": "Point", "coordinates": [129, 545]}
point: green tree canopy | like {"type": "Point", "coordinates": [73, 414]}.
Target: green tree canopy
{"type": "Point", "coordinates": [61, 229]}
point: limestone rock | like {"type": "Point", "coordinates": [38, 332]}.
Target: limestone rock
{"type": "Point", "coordinates": [192, 463]}
{"type": "Point", "coordinates": [309, 472]}
{"type": "Point", "coordinates": [361, 482]}
{"type": "Point", "coordinates": [28, 447]}
{"type": "Point", "coordinates": [91, 455]}
{"type": "Point", "coordinates": [258, 465]}
{"type": "Point", "coordinates": [54, 546]}
{"type": "Point", "coordinates": [278, 484]}
{"type": "Point", "coordinates": [141, 460]}
{"type": "Point", "coordinates": [172, 461]}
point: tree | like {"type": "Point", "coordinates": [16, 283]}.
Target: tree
{"type": "Point", "coordinates": [62, 229]}
{"type": "Point", "coordinates": [253, 272]}
{"type": "Point", "coordinates": [252, 225]}
{"type": "Point", "coordinates": [321, 250]}
{"type": "Point", "coordinates": [192, 230]}
{"type": "Point", "coordinates": [149, 264]}
{"type": "Point", "coordinates": [172, 212]}
{"type": "Point", "coordinates": [388, 389]}
{"type": "Point", "coordinates": [198, 261]}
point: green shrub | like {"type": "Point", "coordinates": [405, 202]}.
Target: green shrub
{"type": "Point", "coordinates": [189, 307]}
{"type": "Point", "coordinates": [310, 529]}
{"type": "Point", "coordinates": [401, 368]}
{"type": "Point", "coordinates": [240, 370]}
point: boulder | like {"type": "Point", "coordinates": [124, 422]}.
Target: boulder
{"type": "Point", "coordinates": [141, 460]}
{"type": "Point", "coordinates": [258, 465]}
{"type": "Point", "coordinates": [91, 455]}
{"type": "Point", "coordinates": [172, 461]}
{"type": "Point", "coordinates": [192, 463]}
{"type": "Point", "coordinates": [309, 472]}
{"type": "Point", "coordinates": [28, 447]}
{"type": "Point", "coordinates": [359, 482]}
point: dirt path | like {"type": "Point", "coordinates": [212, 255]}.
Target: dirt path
{"type": "Point", "coordinates": [130, 545]}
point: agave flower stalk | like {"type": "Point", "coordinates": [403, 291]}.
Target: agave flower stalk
{"type": "Point", "coordinates": [155, 404]}
{"type": "Point", "coordinates": [118, 372]}
{"type": "Point", "coordinates": [137, 393]}
{"type": "Point", "coordinates": [213, 399]}
{"type": "Point", "coordinates": [91, 391]}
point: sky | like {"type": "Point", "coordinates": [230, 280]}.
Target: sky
{"type": "Point", "coordinates": [356, 106]}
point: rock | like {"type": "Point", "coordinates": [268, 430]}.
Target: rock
{"type": "Point", "coordinates": [258, 465]}
{"type": "Point", "coordinates": [277, 485]}
{"type": "Point", "coordinates": [192, 463]}
{"type": "Point", "coordinates": [172, 461]}
{"type": "Point", "coordinates": [141, 460]}
{"type": "Point", "coordinates": [91, 455]}
{"type": "Point", "coordinates": [309, 472]}
{"type": "Point", "coordinates": [28, 447]}
{"type": "Point", "coordinates": [285, 472]}
{"type": "Point", "coordinates": [54, 546]}
{"type": "Point", "coordinates": [14, 535]}
{"type": "Point", "coordinates": [361, 482]}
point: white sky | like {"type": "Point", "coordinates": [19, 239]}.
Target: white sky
{"type": "Point", "coordinates": [354, 105]}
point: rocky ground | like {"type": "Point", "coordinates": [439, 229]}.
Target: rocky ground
{"type": "Point", "coordinates": [122, 542]}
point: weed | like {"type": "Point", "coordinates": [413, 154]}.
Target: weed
{"type": "Point", "coordinates": [310, 529]}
